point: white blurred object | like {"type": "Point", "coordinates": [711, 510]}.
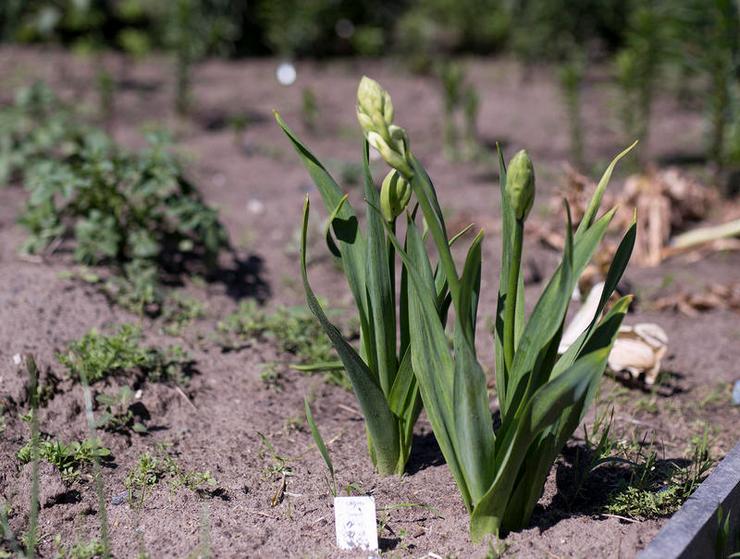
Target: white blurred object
{"type": "Point", "coordinates": [639, 350]}
{"type": "Point", "coordinates": [255, 206]}
{"type": "Point", "coordinates": [582, 318]}
{"type": "Point", "coordinates": [286, 73]}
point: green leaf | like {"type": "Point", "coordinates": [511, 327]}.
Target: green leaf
{"type": "Point", "coordinates": [543, 408]}
{"type": "Point", "coordinates": [381, 424]}
{"type": "Point", "coordinates": [380, 291]}
{"type": "Point", "coordinates": [595, 202]}
{"type": "Point", "coordinates": [318, 439]}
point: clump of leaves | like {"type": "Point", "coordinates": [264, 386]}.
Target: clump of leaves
{"type": "Point", "coordinates": [658, 488]}
{"type": "Point", "coordinates": [151, 469]}
{"type": "Point", "coordinates": [68, 458]}
{"type": "Point", "coordinates": [500, 471]}
{"type": "Point", "coordinates": [179, 311]}
{"type": "Point", "coordinates": [90, 549]}
{"type": "Point", "coordinates": [100, 355]}
{"type": "Point", "coordinates": [118, 412]}
{"type": "Point", "coordinates": [293, 330]}
{"type": "Point", "coordinates": [35, 127]}
{"type": "Point", "coordinates": [134, 211]}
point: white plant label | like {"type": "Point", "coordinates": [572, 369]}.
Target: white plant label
{"type": "Point", "coordinates": [355, 522]}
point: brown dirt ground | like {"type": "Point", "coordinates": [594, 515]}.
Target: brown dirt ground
{"type": "Point", "coordinates": [229, 404]}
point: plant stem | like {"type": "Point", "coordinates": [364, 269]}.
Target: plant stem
{"type": "Point", "coordinates": [511, 293]}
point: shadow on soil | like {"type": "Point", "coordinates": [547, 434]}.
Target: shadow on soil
{"type": "Point", "coordinates": [425, 452]}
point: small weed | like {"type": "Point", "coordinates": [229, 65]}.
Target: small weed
{"type": "Point", "coordinates": [99, 355]}
{"type": "Point", "coordinates": [658, 488]}
{"type": "Point", "coordinates": [179, 311]}
{"type": "Point", "coordinates": [294, 331]}
{"type": "Point", "coordinates": [92, 549]}
{"type": "Point", "coordinates": [69, 459]}
{"type": "Point", "coordinates": [277, 470]}
{"type": "Point", "coordinates": [36, 127]}
{"type": "Point", "coordinates": [153, 468]}
{"type": "Point", "coordinates": [117, 412]}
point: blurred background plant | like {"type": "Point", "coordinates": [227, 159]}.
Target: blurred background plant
{"type": "Point", "coordinates": [687, 49]}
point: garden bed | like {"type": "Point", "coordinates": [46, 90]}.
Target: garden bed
{"type": "Point", "coordinates": [239, 416]}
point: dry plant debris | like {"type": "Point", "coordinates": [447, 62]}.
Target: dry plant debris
{"type": "Point", "coordinates": [714, 296]}
{"type": "Point", "coordinates": [667, 201]}
{"type": "Point", "coordinates": [639, 350]}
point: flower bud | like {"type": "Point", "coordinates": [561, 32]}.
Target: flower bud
{"type": "Point", "coordinates": [374, 102]}
{"type": "Point", "coordinates": [520, 184]}
{"type": "Point", "coordinates": [375, 114]}
{"type": "Point", "coordinates": [395, 193]}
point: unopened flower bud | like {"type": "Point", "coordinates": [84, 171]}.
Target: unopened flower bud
{"type": "Point", "coordinates": [395, 193]}
{"type": "Point", "coordinates": [374, 103]}
{"type": "Point", "coordinates": [520, 184]}
{"type": "Point", "coordinates": [375, 114]}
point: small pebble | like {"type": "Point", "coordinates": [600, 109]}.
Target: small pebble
{"type": "Point", "coordinates": [736, 393]}
{"type": "Point", "coordinates": [119, 499]}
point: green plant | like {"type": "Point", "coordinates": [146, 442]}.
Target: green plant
{"type": "Point", "coordinates": [95, 453]}
{"type": "Point", "coordinates": [179, 311]}
{"type": "Point", "coordinates": [36, 127]}
{"type": "Point", "coordinates": [98, 355]}
{"type": "Point", "coordinates": [309, 109]}
{"type": "Point", "coordinates": [380, 373]}
{"type": "Point", "coordinates": [726, 547]}
{"type": "Point", "coordinates": [153, 468]}
{"type": "Point", "coordinates": [708, 39]}
{"type": "Point", "coordinates": [658, 488]}
{"type": "Point", "coordinates": [91, 549]}
{"type": "Point", "coordinates": [292, 329]}
{"type": "Point", "coordinates": [571, 74]}
{"type": "Point", "coordinates": [542, 395]}
{"type": "Point", "coordinates": [67, 458]}
{"type": "Point", "coordinates": [117, 415]}
{"type": "Point", "coordinates": [639, 64]}
{"type": "Point", "coordinates": [319, 440]}
{"type": "Point", "coordinates": [451, 76]}
{"type": "Point", "coordinates": [278, 469]}
{"type": "Point", "coordinates": [134, 211]}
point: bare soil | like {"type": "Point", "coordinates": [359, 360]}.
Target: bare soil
{"type": "Point", "coordinates": [215, 422]}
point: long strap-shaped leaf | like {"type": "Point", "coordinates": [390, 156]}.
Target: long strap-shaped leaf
{"type": "Point", "coordinates": [595, 202]}
{"type": "Point", "coordinates": [430, 355]}
{"type": "Point", "coordinates": [380, 289]}
{"type": "Point", "coordinates": [347, 233]}
{"type": "Point", "coordinates": [545, 449]}
{"type": "Point", "coordinates": [541, 410]}
{"type": "Point", "coordinates": [542, 331]}
{"type": "Point", "coordinates": [380, 421]}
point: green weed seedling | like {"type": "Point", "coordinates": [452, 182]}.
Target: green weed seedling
{"type": "Point", "coordinates": [658, 488]}
{"type": "Point", "coordinates": [70, 459]}
{"type": "Point", "coordinates": [331, 480]}
{"type": "Point", "coordinates": [309, 109]}
{"type": "Point", "coordinates": [459, 97]}
{"type": "Point", "coordinates": [90, 549]}
{"type": "Point", "coordinates": [277, 469]}
{"type": "Point", "coordinates": [542, 395]}
{"type": "Point", "coordinates": [117, 414]}
{"type": "Point", "coordinates": [162, 466]}
{"type": "Point", "coordinates": [293, 330]}
{"type": "Point", "coordinates": [99, 355]}
{"type": "Point", "coordinates": [32, 453]}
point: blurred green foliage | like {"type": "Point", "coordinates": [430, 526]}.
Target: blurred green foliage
{"type": "Point", "coordinates": [643, 43]}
